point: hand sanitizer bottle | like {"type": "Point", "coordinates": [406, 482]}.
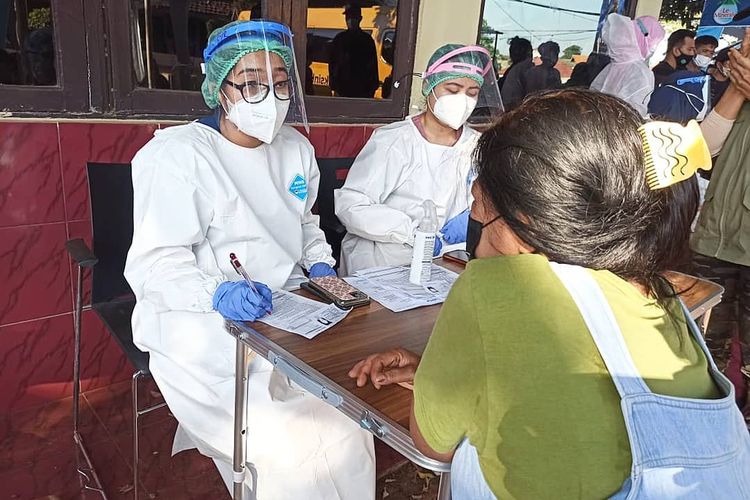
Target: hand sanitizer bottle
{"type": "Point", "coordinates": [424, 245]}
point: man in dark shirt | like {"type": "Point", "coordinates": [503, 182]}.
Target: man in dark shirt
{"type": "Point", "coordinates": [544, 76]}
{"type": "Point", "coordinates": [680, 52]}
{"type": "Point", "coordinates": [353, 67]}
{"type": "Point", "coordinates": [512, 86]}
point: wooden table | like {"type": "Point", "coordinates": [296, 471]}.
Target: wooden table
{"type": "Point", "coordinates": [321, 365]}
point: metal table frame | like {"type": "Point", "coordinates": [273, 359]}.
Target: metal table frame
{"type": "Point", "coordinates": [320, 386]}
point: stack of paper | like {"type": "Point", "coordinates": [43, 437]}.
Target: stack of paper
{"type": "Point", "coordinates": [302, 316]}
{"type": "Point", "coordinates": [391, 287]}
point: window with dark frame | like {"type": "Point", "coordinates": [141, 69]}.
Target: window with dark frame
{"type": "Point", "coordinates": [43, 67]}
{"type": "Point", "coordinates": [156, 56]}
{"type": "Point", "coordinates": [350, 48]}
{"type": "Point", "coordinates": [170, 52]}
{"type": "Point", "coordinates": [392, 26]}
{"type": "Point", "coordinates": [27, 44]}
{"type": "Point", "coordinates": [112, 65]}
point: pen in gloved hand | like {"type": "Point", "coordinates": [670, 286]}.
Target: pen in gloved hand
{"type": "Point", "coordinates": [241, 271]}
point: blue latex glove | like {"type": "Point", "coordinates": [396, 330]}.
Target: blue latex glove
{"type": "Point", "coordinates": [321, 269]}
{"type": "Point", "coordinates": [454, 231]}
{"type": "Point", "coordinates": [235, 300]}
{"type": "Point", "coordinates": [438, 246]}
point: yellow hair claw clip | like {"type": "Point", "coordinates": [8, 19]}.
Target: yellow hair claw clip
{"type": "Point", "coordinates": [673, 152]}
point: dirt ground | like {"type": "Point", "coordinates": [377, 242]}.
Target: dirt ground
{"type": "Point", "coordinates": [407, 482]}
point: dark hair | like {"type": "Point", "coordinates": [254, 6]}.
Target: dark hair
{"type": "Point", "coordinates": [706, 40]}
{"type": "Point", "coordinates": [520, 49]}
{"type": "Point", "coordinates": [677, 39]}
{"type": "Point", "coordinates": [549, 52]}
{"type": "Point", "coordinates": [565, 170]}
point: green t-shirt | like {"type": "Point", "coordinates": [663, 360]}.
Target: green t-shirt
{"type": "Point", "coordinates": [512, 366]}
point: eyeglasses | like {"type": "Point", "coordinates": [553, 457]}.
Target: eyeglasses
{"type": "Point", "coordinates": [254, 92]}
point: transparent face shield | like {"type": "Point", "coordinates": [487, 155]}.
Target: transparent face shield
{"type": "Point", "coordinates": [464, 65]}
{"type": "Point", "coordinates": [263, 70]}
{"type": "Point", "coordinates": [490, 104]}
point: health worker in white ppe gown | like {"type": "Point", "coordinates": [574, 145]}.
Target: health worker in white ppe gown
{"type": "Point", "coordinates": [424, 157]}
{"type": "Point", "coordinates": [238, 182]}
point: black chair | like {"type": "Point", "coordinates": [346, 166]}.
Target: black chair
{"type": "Point", "coordinates": [111, 193]}
{"type": "Point", "coordinates": [333, 173]}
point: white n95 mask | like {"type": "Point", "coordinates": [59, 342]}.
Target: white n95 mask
{"type": "Point", "coordinates": [262, 120]}
{"type": "Point", "coordinates": [702, 61]}
{"type": "Point", "coordinates": [454, 109]}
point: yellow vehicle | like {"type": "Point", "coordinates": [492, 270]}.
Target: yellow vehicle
{"type": "Point", "coordinates": [323, 24]}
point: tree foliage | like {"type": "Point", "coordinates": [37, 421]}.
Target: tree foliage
{"type": "Point", "coordinates": [686, 12]}
{"type": "Point", "coordinates": [487, 38]}
{"type": "Point", "coordinates": [573, 50]}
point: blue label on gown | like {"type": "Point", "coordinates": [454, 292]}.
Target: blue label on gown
{"type": "Point", "coordinates": [298, 187]}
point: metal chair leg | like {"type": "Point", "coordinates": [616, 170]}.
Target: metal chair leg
{"type": "Point", "coordinates": [77, 351]}
{"type": "Point", "coordinates": [136, 413]}
{"type": "Point", "coordinates": [86, 475]}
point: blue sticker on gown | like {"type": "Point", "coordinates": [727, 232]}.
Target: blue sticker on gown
{"type": "Point", "coordinates": [298, 187]}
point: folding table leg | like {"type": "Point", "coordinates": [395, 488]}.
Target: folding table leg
{"type": "Point", "coordinates": [240, 431]}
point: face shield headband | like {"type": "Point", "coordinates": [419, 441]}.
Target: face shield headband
{"type": "Point", "coordinates": [248, 30]}
{"type": "Point", "coordinates": [442, 66]}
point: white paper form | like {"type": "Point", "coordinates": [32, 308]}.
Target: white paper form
{"type": "Point", "coordinates": [391, 287]}
{"type": "Point", "coordinates": [296, 314]}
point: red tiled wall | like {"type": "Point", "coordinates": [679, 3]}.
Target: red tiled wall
{"type": "Point", "coordinates": [44, 202]}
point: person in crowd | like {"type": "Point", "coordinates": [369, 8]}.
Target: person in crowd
{"type": "Point", "coordinates": [513, 88]}
{"type": "Point", "coordinates": [241, 182]}
{"type": "Point", "coordinates": [689, 95]}
{"type": "Point", "coordinates": [39, 51]}
{"type": "Point", "coordinates": [544, 76]}
{"type": "Point", "coordinates": [719, 72]}
{"type": "Point", "coordinates": [705, 47]}
{"type": "Point", "coordinates": [721, 239]}
{"type": "Point", "coordinates": [630, 42]}
{"type": "Point", "coordinates": [680, 53]}
{"type": "Point", "coordinates": [585, 72]}
{"type": "Point", "coordinates": [353, 67]}
{"type": "Point", "coordinates": [681, 98]}
{"type": "Point", "coordinates": [582, 376]}
{"type": "Point", "coordinates": [424, 157]}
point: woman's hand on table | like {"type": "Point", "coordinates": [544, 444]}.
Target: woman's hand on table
{"type": "Point", "coordinates": [386, 368]}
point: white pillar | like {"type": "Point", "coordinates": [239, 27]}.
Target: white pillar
{"type": "Point", "coordinates": [441, 22]}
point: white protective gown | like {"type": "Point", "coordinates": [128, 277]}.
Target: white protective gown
{"type": "Point", "coordinates": [199, 197]}
{"type": "Point", "coordinates": [381, 201]}
{"type": "Point", "coordinates": [627, 76]}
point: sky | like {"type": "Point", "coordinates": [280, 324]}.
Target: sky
{"type": "Point", "coordinates": [540, 24]}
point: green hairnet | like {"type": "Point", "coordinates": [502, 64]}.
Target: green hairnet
{"type": "Point", "coordinates": [436, 79]}
{"type": "Point", "coordinates": [226, 57]}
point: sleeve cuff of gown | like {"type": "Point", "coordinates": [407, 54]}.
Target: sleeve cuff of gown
{"type": "Point", "coordinates": [205, 298]}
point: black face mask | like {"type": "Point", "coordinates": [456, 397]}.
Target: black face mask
{"type": "Point", "coordinates": [683, 60]}
{"type": "Point", "coordinates": [474, 234]}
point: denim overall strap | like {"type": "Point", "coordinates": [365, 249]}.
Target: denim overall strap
{"type": "Point", "coordinates": [718, 377]}
{"type": "Point", "coordinates": [600, 320]}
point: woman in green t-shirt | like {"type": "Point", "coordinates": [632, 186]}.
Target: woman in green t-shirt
{"type": "Point", "coordinates": [571, 245]}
